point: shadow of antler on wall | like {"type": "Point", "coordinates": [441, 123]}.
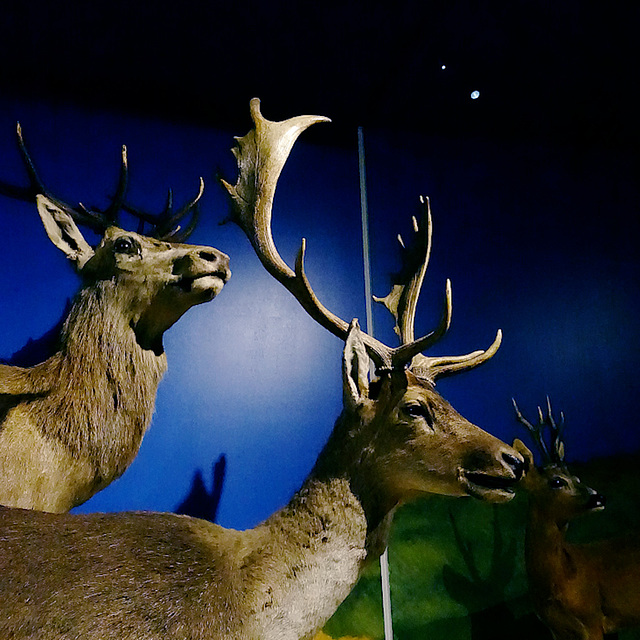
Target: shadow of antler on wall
{"type": "Point", "coordinates": [485, 598]}
{"type": "Point", "coordinates": [200, 503]}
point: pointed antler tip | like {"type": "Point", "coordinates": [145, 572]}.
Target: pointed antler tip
{"type": "Point", "coordinates": [254, 108]}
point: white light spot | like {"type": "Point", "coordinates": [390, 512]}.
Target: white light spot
{"type": "Point", "coordinates": [475, 95]}
{"type": "Point", "coordinates": [443, 67]}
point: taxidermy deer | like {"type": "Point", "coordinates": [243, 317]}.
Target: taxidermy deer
{"type": "Point", "coordinates": [580, 591]}
{"type": "Point", "coordinates": [72, 424]}
{"type": "Point", "coordinates": [143, 575]}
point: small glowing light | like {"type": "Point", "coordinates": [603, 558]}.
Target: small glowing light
{"type": "Point", "coordinates": [443, 67]}
{"type": "Point", "coordinates": [475, 95]}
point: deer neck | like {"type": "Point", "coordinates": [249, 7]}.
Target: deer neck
{"type": "Point", "coordinates": [548, 556]}
{"type": "Point", "coordinates": [311, 553]}
{"type": "Point", "coordinates": [307, 559]}
{"type": "Point", "coordinates": [351, 454]}
{"type": "Point", "coordinates": [105, 383]}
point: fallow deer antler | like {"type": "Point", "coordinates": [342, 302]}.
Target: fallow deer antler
{"type": "Point", "coordinates": [165, 226]}
{"type": "Point", "coordinates": [403, 299]}
{"type": "Point", "coordinates": [261, 155]}
{"type": "Point", "coordinates": [555, 454]}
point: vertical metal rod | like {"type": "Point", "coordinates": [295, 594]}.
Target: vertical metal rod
{"type": "Point", "coordinates": [364, 211]}
{"type": "Point", "coordinates": [384, 558]}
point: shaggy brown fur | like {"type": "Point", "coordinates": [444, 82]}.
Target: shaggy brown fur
{"type": "Point", "coordinates": [72, 424]}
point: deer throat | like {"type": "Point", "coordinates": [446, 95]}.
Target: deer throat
{"type": "Point", "coordinates": [310, 554]}
{"type": "Point", "coordinates": [104, 395]}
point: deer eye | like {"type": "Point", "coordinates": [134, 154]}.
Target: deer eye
{"type": "Point", "coordinates": [557, 482]}
{"type": "Point", "coordinates": [126, 245]}
{"type": "Point", "coordinates": [419, 411]}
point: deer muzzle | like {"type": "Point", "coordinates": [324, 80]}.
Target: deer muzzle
{"type": "Point", "coordinates": [493, 482]}
{"type": "Point", "coordinates": [204, 271]}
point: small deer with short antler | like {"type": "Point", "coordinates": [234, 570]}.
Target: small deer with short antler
{"type": "Point", "coordinates": [580, 591]}
{"type": "Point", "coordinates": [132, 576]}
{"type": "Point", "coordinates": [73, 423]}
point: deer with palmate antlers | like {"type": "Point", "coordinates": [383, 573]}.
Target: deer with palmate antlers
{"type": "Point", "coordinates": [142, 575]}
{"type": "Point", "coordinates": [580, 591]}
{"type": "Point", "coordinates": [72, 424]}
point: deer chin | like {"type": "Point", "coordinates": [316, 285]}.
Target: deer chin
{"type": "Point", "coordinates": [487, 487]}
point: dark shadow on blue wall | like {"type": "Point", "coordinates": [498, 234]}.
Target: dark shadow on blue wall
{"type": "Point", "coordinates": [200, 502]}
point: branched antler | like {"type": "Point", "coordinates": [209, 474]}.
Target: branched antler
{"type": "Point", "coordinates": [403, 299]}
{"type": "Point", "coordinates": [261, 155]}
{"type": "Point", "coordinates": [164, 226]}
{"type": "Point", "coordinates": [555, 453]}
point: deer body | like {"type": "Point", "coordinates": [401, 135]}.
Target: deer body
{"type": "Point", "coordinates": [192, 580]}
{"type": "Point", "coordinates": [141, 575]}
{"type": "Point", "coordinates": [73, 423]}
{"type": "Point", "coordinates": [580, 591]}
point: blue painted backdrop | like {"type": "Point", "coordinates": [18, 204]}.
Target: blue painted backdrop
{"type": "Point", "coordinates": [540, 241]}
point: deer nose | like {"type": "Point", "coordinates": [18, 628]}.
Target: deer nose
{"type": "Point", "coordinates": [214, 257]}
{"type": "Point", "coordinates": [517, 464]}
{"type": "Point", "coordinates": [221, 261]}
{"type": "Point", "coordinates": [215, 262]}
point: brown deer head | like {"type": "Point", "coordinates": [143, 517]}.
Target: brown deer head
{"type": "Point", "coordinates": [417, 442]}
{"type": "Point", "coordinates": [552, 488]}
{"type": "Point", "coordinates": [155, 277]}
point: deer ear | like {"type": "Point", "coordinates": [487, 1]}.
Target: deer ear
{"type": "Point", "coordinates": [63, 232]}
{"type": "Point", "coordinates": [522, 449]}
{"type": "Point", "coordinates": [355, 367]}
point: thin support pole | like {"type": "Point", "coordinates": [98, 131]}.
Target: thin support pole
{"type": "Point", "coordinates": [364, 211]}
{"type": "Point", "coordinates": [384, 558]}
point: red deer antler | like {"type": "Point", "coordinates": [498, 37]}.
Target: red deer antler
{"type": "Point", "coordinates": [165, 225]}
{"type": "Point", "coordinates": [261, 155]}
{"type": "Point", "coordinates": [555, 455]}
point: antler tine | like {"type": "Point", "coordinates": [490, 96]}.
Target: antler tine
{"type": "Point", "coordinates": [36, 185]}
{"type": "Point", "coordinates": [169, 229]}
{"type": "Point", "coordinates": [402, 300]}
{"type": "Point", "coordinates": [535, 431]}
{"type": "Point", "coordinates": [556, 433]}
{"type": "Point", "coordinates": [165, 224]}
{"type": "Point", "coordinates": [441, 367]}
{"type": "Point", "coordinates": [111, 212]}
{"type": "Point", "coordinates": [94, 219]}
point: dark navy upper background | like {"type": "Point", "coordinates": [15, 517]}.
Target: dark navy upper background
{"type": "Point", "coordinates": [534, 190]}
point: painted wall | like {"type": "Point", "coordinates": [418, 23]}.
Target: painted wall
{"type": "Point", "coordinates": [538, 241]}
